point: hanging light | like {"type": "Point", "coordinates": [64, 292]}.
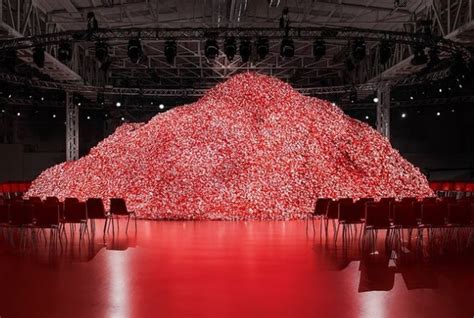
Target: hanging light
{"type": "Point", "coordinates": [64, 52]}
{"type": "Point", "coordinates": [171, 50]}
{"type": "Point", "coordinates": [358, 49]}
{"type": "Point", "coordinates": [287, 48]}
{"type": "Point", "coordinates": [385, 52]}
{"type": "Point", "coordinates": [135, 51]}
{"type": "Point", "coordinates": [262, 47]}
{"type": "Point", "coordinates": [230, 48]}
{"type": "Point", "coordinates": [38, 56]}
{"type": "Point", "coordinates": [101, 51]}
{"type": "Point", "coordinates": [319, 49]}
{"type": "Point", "coordinates": [211, 49]}
{"type": "Point", "coordinates": [245, 50]}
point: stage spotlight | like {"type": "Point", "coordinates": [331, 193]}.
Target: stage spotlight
{"type": "Point", "coordinates": [245, 50]}
{"type": "Point", "coordinates": [376, 99]}
{"type": "Point", "coordinates": [358, 49]}
{"type": "Point", "coordinates": [38, 56]}
{"type": "Point", "coordinates": [88, 117]}
{"type": "Point", "coordinates": [353, 95]}
{"type": "Point", "coordinates": [211, 49]}
{"type": "Point", "coordinates": [118, 104]}
{"type": "Point", "coordinates": [262, 47]}
{"type": "Point", "coordinates": [404, 115]}
{"type": "Point", "coordinates": [122, 119]}
{"type": "Point", "coordinates": [161, 106]}
{"type": "Point", "coordinates": [366, 117]}
{"type": "Point", "coordinates": [230, 48]}
{"type": "Point", "coordinates": [54, 115]}
{"type": "Point", "coordinates": [319, 49]}
{"type": "Point", "coordinates": [100, 99]}
{"type": "Point", "coordinates": [171, 50]}
{"type": "Point", "coordinates": [135, 51]}
{"type": "Point", "coordinates": [419, 56]}
{"type": "Point", "coordinates": [438, 113]}
{"type": "Point", "coordinates": [287, 48]}
{"type": "Point", "coordinates": [101, 51]}
{"type": "Point", "coordinates": [92, 24]}
{"type": "Point", "coordinates": [18, 114]}
{"type": "Point", "coordinates": [64, 52]}
{"type": "Point", "coordinates": [385, 52]}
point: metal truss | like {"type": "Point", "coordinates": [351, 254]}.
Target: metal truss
{"type": "Point", "coordinates": [383, 111]}
{"type": "Point", "coordinates": [72, 128]}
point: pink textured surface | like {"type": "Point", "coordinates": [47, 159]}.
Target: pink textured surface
{"type": "Point", "coordinates": [251, 148]}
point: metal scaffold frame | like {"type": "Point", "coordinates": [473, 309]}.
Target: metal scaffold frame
{"type": "Point", "coordinates": [72, 128]}
{"type": "Point", "coordinates": [383, 110]}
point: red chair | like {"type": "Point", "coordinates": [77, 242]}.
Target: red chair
{"type": "Point", "coordinates": [96, 210]}
{"type": "Point", "coordinates": [349, 213]}
{"type": "Point", "coordinates": [75, 212]}
{"type": "Point", "coordinates": [47, 217]}
{"type": "Point", "coordinates": [119, 208]}
{"type": "Point", "coordinates": [377, 217]}
{"type": "Point", "coordinates": [320, 210]}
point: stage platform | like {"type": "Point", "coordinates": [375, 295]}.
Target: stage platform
{"type": "Point", "coordinates": [229, 269]}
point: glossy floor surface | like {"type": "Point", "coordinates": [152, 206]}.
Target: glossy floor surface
{"type": "Point", "coordinates": [229, 269]}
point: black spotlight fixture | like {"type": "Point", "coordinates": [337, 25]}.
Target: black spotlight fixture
{"type": "Point", "coordinates": [38, 56]}
{"type": "Point", "coordinates": [245, 49]}
{"type": "Point", "coordinates": [230, 48]}
{"type": "Point", "coordinates": [419, 56]}
{"type": "Point", "coordinates": [100, 99]}
{"type": "Point", "coordinates": [353, 95]}
{"type": "Point", "coordinates": [171, 50]}
{"type": "Point", "coordinates": [319, 49]}
{"type": "Point", "coordinates": [92, 24]}
{"type": "Point", "coordinates": [64, 52]}
{"type": "Point", "coordinates": [9, 59]}
{"type": "Point", "coordinates": [358, 49]}
{"type": "Point", "coordinates": [135, 51]}
{"type": "Point", "coordinates": [385, 52]}
{"type": "Point", "coordinates": [101, 51]}
{"type": "Point", "coordinates": [287, 48]}
{"type": "Point", "coordinates": [262, 47]}
{"type": "Point", "coordinates": [211, 49]}
{"type": "Point", "coordinates": [433, 53]}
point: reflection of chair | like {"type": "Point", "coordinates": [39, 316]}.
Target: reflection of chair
{"type": "Point", "coordinates": [119, 208]}
{"type": "Point", "coordinates": [375, 274]}
{"type": "Point", "coordinates": [96, 210]}
{"type": "Point", "coordinates": [320, 210]}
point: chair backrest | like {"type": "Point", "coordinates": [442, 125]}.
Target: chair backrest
{"type": "Point", "coordinates": [434, 214]}
{"type": "Point", "coordinates": [405, 214]}
{"type": "Point", "coordinates": [34, 200]}
{"type": "Point", "coordinates": [459, 214]}
{"type": "Point", "coordinates": [75, 212]}
{"type": "Point", "coordinates": [430, 200]}
{"type": "Point", "coordinates": [350, 212]}
{"type": "Point", "coordinates": [47, 215]}
{"type": "Point", "coordinates": [377, 215]}
{"type": "Point", "coordinates": [4, 213]}
{"type": "Point", "coordinates": [52, 199]}
{"type": "Point", "coordinates": [21, 214]}
{"type": "Point", "coordinates": [408, 200]}
{"type": "Point", "coordinates": [118, 206]}
{"type": "Point", "coordinates": [333, 210]}
{"type": "Point", "coordinates": [95, 208]}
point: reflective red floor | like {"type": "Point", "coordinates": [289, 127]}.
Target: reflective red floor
{"type": "Point", "coordinates": [229, 269]}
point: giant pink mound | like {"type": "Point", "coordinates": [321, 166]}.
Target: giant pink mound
{"type": "Point", "coordinates": [251, 148]}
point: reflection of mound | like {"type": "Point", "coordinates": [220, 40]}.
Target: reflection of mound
{"type": "Point", "coordinates": [251, 148]}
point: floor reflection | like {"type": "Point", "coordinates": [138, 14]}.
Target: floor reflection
{"type": "Point", "coordinates": [230, 269]}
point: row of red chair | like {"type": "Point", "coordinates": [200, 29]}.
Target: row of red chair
{"type": "Point", "coordinates": [53, 214]}
{"type": "Point", "coordinates": [14, 187]}
{"type": "Point", "coordinates": [452, 186]}
{"type": "Point", "coordinates": [389, 214]}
